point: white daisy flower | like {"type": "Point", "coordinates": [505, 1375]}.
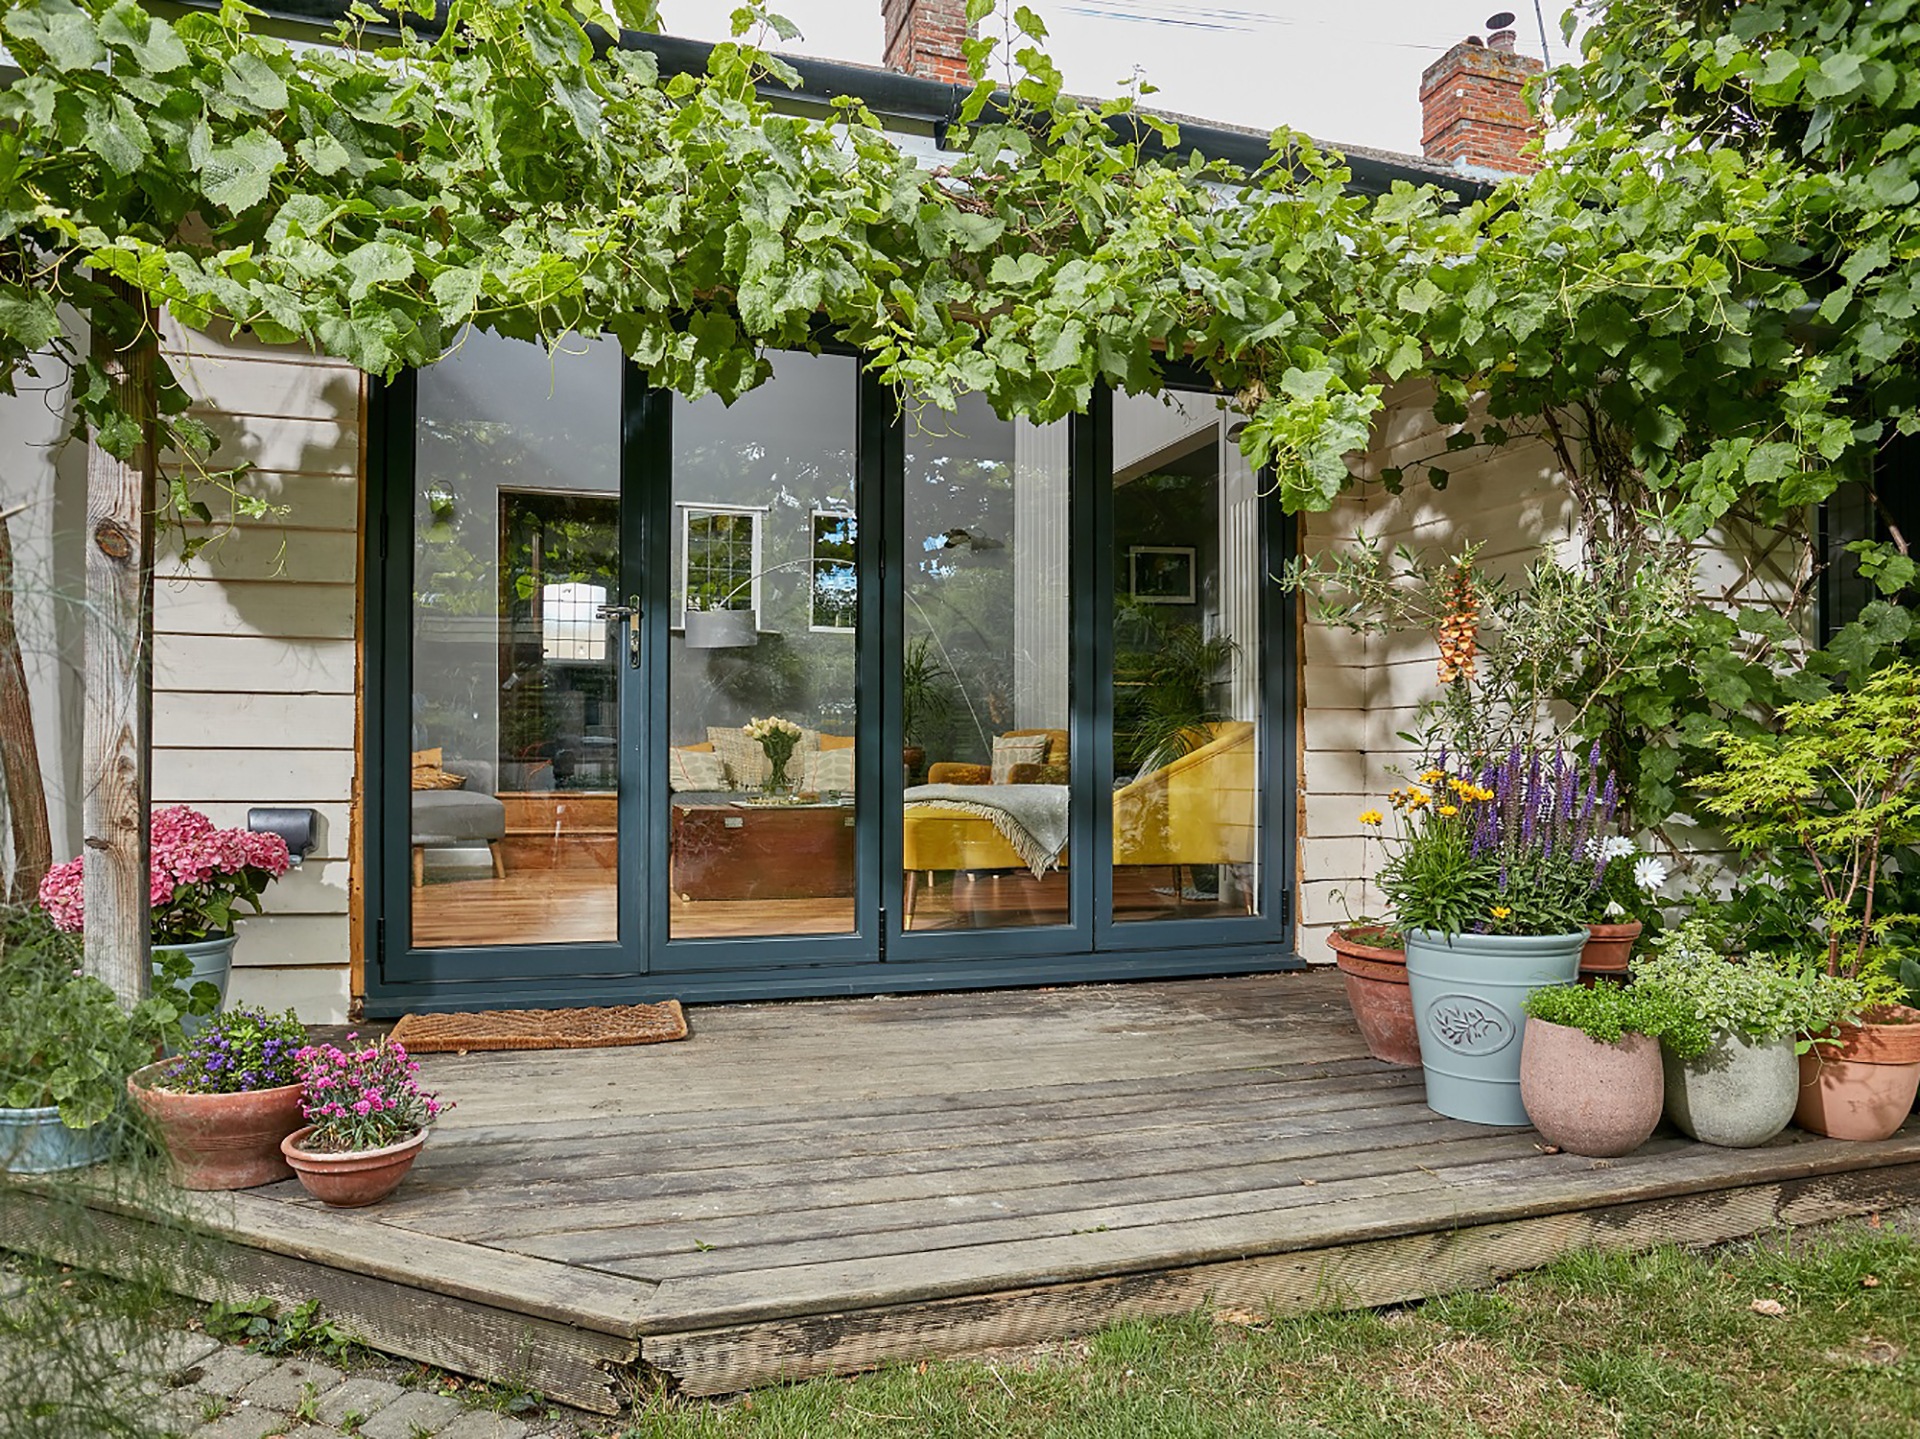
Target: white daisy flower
{"type": "Point", "coordinates": [1617, 847]}
{"type": "Point", "coordinates": [1649, 873]}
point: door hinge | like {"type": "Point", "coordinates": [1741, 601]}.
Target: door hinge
{"type": "Point", "coordinates": [1286, 906]}
{"type": "Point", "coordinates": [883, 934]}
{"type": "Point", "coordinates": [380, 946]}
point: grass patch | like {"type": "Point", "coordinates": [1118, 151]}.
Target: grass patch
{"type": "Point", "coordinates": [1663, 1345]}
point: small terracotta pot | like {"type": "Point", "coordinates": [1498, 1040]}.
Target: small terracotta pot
{"type": "Point", "coordinates": [356, 1178]}
{"type": "Point", "coordinates": [1862, 1088]}
{"type": "Point", "coordinates": [1377, 992]}
{"type": "Point", "coordinates": [219, 1141]}
{"type": "Point", "coordinates": [1609, 949]}
{"type": "Point", "coordinates": [1586, 1097]}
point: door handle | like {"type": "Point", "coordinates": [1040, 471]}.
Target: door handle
{"type": "Point", "coordinates": [630, 612]}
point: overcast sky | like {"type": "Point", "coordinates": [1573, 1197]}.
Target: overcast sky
{"type": "Point", "coordinates": [1342, 70]}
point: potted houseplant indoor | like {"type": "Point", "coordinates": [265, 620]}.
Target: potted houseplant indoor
{"type": "Point", "coordinates": [1590, 1071]}
{"type": "Point", "coordinates": [222, 1107]}
{"type": "Point", "coordinates": [67, 1045]}
{"type": "Point", "coordinates": [200, 877]}
{"type": "Point", "coordinates": [1491, 876]}
{"type": "Point", "coordinates": [367, 1119]}
{"type": "Point", "coordinates": [1836, 785]}
{"type": "Point", "coordinates": [926, 701]}
{"type": "Point", "coordinates": [1373, 966]}
{"type": "Point", "coordinates": [1733, 1071]}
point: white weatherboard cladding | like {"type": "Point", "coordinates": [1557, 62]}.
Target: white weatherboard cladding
{"type": "Point", "coordinates": [254, 652]}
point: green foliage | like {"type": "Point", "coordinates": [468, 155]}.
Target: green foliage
{"type": "Point", "coordinates": [67, 1040]}
{"type": "Point", "coordinates": [1605, 1012]}
{"type": "Point", "coordinates": [1709, 992]}
{"type": "Point", "coordinates": [269, 1327]}
{"type": "Point", "coordinates": [926, 689]}
{"type": "Point", "coordinates": [1167, 679]}
{"type": "Point", "coordinates": [1838, 781]}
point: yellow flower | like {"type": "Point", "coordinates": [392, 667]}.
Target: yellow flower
{"type": "Point", "coordinates": [1500, 911]}
{"type": "Point", "coordinates": [1418, 799]}
{"type": "Point", "coordinates": [1449, 809]}
{"type": "Point", "coordinates": [1372, 816]}
{"type": "Point", "coordinates": [1432, 776]}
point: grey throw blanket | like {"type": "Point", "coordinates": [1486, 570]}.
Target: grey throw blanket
{"type": "Point", "coordinates": [1030, 817]}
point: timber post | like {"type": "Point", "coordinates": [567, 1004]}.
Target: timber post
{"type": "Point", "coordinates": [119, 665]}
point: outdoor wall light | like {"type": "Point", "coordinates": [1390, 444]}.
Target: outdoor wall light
{"type": "Point", "coordinates": [298, 827]}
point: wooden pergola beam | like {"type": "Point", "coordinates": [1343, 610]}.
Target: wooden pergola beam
{"type": "Point", "coordinates": [119, 667]}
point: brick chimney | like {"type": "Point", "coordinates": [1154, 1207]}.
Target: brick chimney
{"type": "Point", "coordinates": [1473, 114]}
{"type": "Point", "coordinates": [923, 38]}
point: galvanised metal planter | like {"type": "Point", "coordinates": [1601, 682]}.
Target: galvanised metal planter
{"type": "Point", "coordinates": [212, 961]}
{"type": "Point", "coordinates": [1468, 993]}
{"type": "Point", "coordinates": [34, 1141]}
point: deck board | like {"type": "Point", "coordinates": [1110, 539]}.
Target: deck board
{"type": "Point", "coordinates": [820, 1186]}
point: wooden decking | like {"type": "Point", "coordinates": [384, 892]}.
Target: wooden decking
{"type": "Point", "coordinates": [810, 1187]}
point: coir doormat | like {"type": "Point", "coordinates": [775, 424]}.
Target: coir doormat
{"type": "Point", "coordinates": [543, 1028]}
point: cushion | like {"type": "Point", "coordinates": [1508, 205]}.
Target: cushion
{"type": "Point", "coordinates": [836, 741]}
{"type": "Point", "coordinates": [456, 816]}
{"type": "Point", "coordinates": [695, 769]}
{"type": "Point", "coordinates": [428, 772]}
{"type": "Point", "coordinates": [826, 770]}
{"type": "Point", "coordinates": [1010, 750]}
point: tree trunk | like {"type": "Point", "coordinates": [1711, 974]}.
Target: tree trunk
{"type": "Point", "coordinates": [119, 649]}
{"type": "Point", "coordinates": [26, 790]}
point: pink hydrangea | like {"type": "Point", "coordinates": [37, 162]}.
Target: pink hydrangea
{"type": "Point", "coordinates": [197, 875]}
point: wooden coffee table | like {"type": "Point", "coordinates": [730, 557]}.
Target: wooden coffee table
{"type": "Point", "coordinates": [732, 851]}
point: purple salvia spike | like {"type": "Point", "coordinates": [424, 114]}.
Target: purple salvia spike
{"type": "Point", "coordinates": [1610, 798]}
{"type": "Point", "coordinates": [1593, 756]}
{"type": "Point", "coordinates": [1441, 762]}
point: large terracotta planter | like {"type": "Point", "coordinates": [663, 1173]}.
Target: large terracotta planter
{"type": "Point", "coordinates": [1738, 1094]}
{"type": "Point", "coordinates": [1378, 994]}
{"type": "Point", "coordinates": [1587, 1097]}
{"type": "Point", "coordinates": [1609, 948]}
{"type": "Point", "coordinates": [356, 1178]}
{"type": "Point", "coordinates": [1862, 1088]}
{"type": "Point", "coordinates": [219, 1141]}
{"type": "Point", "coordinates": [1469, 993]}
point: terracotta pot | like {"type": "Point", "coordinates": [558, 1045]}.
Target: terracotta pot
{"type": "Point", "coordinates": [1862, 1088]}
{"type": "Point", "coordinates": [356, 1178]}
{"type": "Point", "coordinates": [1586, 1097]}
{"type": "Point", "coordinates": [1609, 948]}
{"type": "Point", "coordinates": [219, 1141]}
{"type": "Point", "coordinates": [1379, 996]}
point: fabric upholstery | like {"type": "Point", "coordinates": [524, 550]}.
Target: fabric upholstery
{"type": "Point", "coordinates": [1010, 750]}
{"type": "Point", "coordinates": [825, 770]}
{"type": "Point", "coordinates": [457, 816]}
{"type": "Point", "coordinates": [695, 770]}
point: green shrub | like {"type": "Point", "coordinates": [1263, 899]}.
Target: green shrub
{"type": "Point", "coordinates": [1607, 1012]}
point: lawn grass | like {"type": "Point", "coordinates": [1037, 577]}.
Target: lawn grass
{"type": "Point", "coordinates": [1646, 1346]}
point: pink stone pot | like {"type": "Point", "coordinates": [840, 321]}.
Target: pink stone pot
{"type": "Point", "coordinates": [1590, 1098]}
{"type": "Point", "coordinates": [356, 1178]}
{"type": "Point", "coordinates": [1862, 1088]}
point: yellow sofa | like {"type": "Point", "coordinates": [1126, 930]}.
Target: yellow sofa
{"type": "Point", "coordinates": [1202, 809]}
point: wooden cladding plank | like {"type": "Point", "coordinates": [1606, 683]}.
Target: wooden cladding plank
{"type": "Point", "coordinates": [333, 824]}
{"type": "Point", "coordinates": [273, 609]}
{"type": "Point", "coordinates": [470, 1333]}
{"type": "Point", "coordinates": [264, 553]}
{"type": "Point", "coordinates": [1490, 1192]}
{"type": "Point", "coordinates": [265, 385]}
{"type": "Point", "coordinates": [318, 994]}
{"type": "Point", "coordinates": [325, 446]}
{"type": "Point", "coordinates": [722, 1360]}
{"type": "Point", "coordinates": [254, 664]}
{"type": "Point", "coordinates": [293, 941]}
{"type": "Point", "coordinates": [247, 722]}
{"type": "Point", "coordinates": [328, 501]}
{"type": "Point", "coordinates": [262, 776]}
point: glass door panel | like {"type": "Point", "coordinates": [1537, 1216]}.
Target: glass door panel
{"type": "Point", "coordinates": [762, 697]}
{"type": "Point", "coordinates": [986, 703]}
{"type": "Point", "coordinates": [1186, 646]}
{"type": "Point", "coordinates": [515, 677]}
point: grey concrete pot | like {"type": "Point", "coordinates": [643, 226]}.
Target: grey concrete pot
{"type": "Point", "coordinates": [1468, 990]}
{"type": "Point", "coordinates": [1740, 1093]}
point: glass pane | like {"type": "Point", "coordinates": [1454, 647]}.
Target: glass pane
{"type": "Point", "coordinates": [1186, 644]}
{"type": "Point", "coordinates": [985, 694]}
{"type": "Point", "coordinates": [762, 828]}
{"type": "Point", "coordinates": [515, 683]}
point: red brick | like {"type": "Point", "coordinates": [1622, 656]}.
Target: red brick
{"type": "Point", "coordinates": [1473, 107]}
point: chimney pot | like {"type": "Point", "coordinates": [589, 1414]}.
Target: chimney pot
{"type": "Point", "coordinates": [1501, 40]}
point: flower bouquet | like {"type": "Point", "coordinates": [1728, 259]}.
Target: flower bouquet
{"type": "Point", "coordinates": [777, 738]}
{"type": "Point", "coordinates": [367, 1119]}
{"type": "Point", "coordinates": [223, 1105]}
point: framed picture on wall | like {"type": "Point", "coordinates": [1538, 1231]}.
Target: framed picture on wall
{"type": "Point", "coordinates": [1160, 574]}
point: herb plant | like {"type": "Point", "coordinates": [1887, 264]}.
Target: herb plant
{"type": "Point", "coordinates": [239, 1050]}
{"type": "Point", "coordinates": [1607, 1012]}
{"type": "Point", "coordinates": [363, 1097]}
{"type": "Point", "coordinates": [1759, 997]}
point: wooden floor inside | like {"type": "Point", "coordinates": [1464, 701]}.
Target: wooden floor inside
{"type": "Point", "coordinates": [812, 1187]}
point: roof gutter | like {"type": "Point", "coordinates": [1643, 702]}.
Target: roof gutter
{"type": "Point", "coordinates": [911, 99]}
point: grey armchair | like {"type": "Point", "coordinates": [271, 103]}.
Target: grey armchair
{"type": "Point", "coordinates": [459, 817]}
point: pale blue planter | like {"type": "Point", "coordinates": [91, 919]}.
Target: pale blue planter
{"type": "Point", "coordinates": [34, 1141]}
{"type": "Point", "coordinates": [1468, 993]}
{"type": "Point", "coordinates": [212, 960]}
